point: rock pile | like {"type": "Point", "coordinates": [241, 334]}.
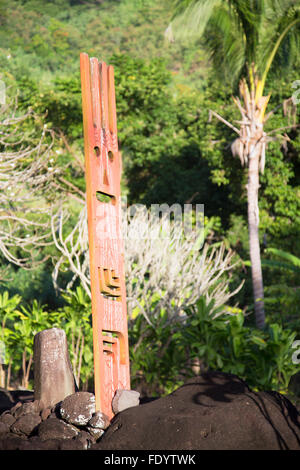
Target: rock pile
{"type": "Point", "coordinates": [213, 411]}
{"type": "Point", "coordinates": [70, 424]}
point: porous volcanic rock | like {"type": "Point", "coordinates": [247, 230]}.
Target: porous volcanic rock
{"type": "Point", "coordinates": [30, 426]}
{"type": "Point", "coordinates": [27, 408]}
{"type": "Point", "coordinates": [78, 408]}
{"type": "Point", "coordinates": [96, 433]}
{"type": "Point", "coordinates": [99, 420]}
{"type": "Point", "coordinates": [7, 419]}
{"type": "Point", "coordinates": [26, 424]}
{"type": "Point", "coordinates": [15, 408]}
{"type": "Point", "coordinates": [214, 411]}
{"type": "Point", "coordinates": [85, 439]}
{"type": "Point", "coordinates": [4, 428]}
{"type": "Point", "coordinates": [10, 441]}
{"type": "Point", "coordinates": [56, 429]}
{"type": "Point", "coordinates": [45, 413]}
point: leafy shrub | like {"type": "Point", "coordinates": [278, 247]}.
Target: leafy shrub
{"type": "Point", "coordinates": [19, 324]}
{"type": "Point", "coordinates": [77, 323]}
{"type": "Point", "coordinates": [262, 358]}
{"type": "Point", "coordinates": [283, 296]}
{"type": "Point", "coordinates": [164, 355]}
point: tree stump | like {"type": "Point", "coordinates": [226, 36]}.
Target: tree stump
{"type": "Point", "coordinates": [53, 375]}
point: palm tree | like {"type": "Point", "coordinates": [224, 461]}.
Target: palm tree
{"type": "Point", "coordinates": [245, 38]}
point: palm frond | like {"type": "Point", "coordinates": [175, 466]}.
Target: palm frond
{"type": "Point", "coordinates": [273, 264]}
{"type": "Point", "coordinates": [190, 18]}
{"type": "Point", "coordinates": [226, 41]}
{"type": "Point", "coordinates": [231, 27]}
{"type": "Point", "coordinates": [248, 13]}
{"type": "Point", "coordinates": [279, 37]}
{"type": "Point", "coordinates": [241, 32]}
{"type": "Point", "coordinates": [294, 260]}
{"type": "Point", "coordinates": [280, 265]}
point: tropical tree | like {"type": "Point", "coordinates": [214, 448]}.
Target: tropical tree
{"type": "Point", "coordinates": [246, 38]}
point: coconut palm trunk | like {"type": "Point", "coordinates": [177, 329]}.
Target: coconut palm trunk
{"type": "Point", "coordinates": [250, 147]}
{"type": "Point", "coordinates": [244, 35]}
{"type": "Point", "coordinates": [253, 228]}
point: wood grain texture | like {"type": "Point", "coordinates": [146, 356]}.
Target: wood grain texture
{"type": "Point", "coordinates": [103, 173]}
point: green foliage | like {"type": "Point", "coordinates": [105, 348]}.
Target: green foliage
{"type": "Point", "coordinates": [164, 355]}
{"type": "Point", "coordinates": [18, 327]}
{"type": "Point", "coordinates": [160, 131]}
{"type": "Point", "coordinates": [36, 283]}
{"type": "Point", "coordinates": [262, 358]}
{"type": "Point", "coordinates": [155, 358]}
{"type": "Point", "coordinates": [43, 37]}
{"type": "Point", "coordinates": [77, 323]}
{"type": "Point", "coordinates": [172, 152]}
{"type": "Point", "coordinates": [8, 313]}
{"type": "Point", "coordinates": [158, 135]}
{"type": "Point", "coordinates": [290, 262]}
{"type": "Point", "coordinates": [19, 324]}
{"type": "Point", "coordinates": [283, 298]}
{"type": "Point", "coordinates": [241, 32]}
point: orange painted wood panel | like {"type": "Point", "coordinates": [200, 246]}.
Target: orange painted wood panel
{"type": "Point", "coordinates": [103, 174]}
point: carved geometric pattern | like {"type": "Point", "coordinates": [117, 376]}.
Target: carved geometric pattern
{"type": "Point", "coordinates": [103, 166]}
{"type": "Point", "coordinates": [109, 283]}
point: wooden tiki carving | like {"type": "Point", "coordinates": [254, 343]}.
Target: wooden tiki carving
{"type": "Point", "coordinates": [103, 173]}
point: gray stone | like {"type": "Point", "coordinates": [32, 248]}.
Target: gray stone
{"type": "Point", "coordinates": [56, 429]}
{"type": "Point", "coordinates": [26, 424]}
{"type": "Point", "coordinates": [26, 445]}
{"type": "Point", "coordinates": [53, 375]}
{"type": "Point", "coordinates": [27, 408]}
{"type": "Point", "coordinates": [7, 419]}
{"type": "Point", "coordinates": [78, 408]}
{"type": "Point", "coordinates": [11, 442]}
{"type": "Point", "coordinates": [95, 432]}
{"type": "Point", "coordinates": [46, 413]}
{"type": "Point", "coordinates": [36, 443]}
{"type": "Point", "coordinates": [99, 420]}
{"type": "Point", "coordinates": [15, 407]}
{"type": "Point", "coordinates": [4, 428]}
{"type": "Point", "coordinates": [86, 439]}
{"type": "Point", "coordinates": [71, 444]}
{"type": "Point", "coordinates": [124, 399]}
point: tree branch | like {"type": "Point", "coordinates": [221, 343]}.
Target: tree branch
{"type": "Point", "coordinates": [223, 120]}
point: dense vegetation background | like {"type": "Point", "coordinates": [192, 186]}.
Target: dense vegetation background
{"type": "Point", "coordinates": [172, 152]}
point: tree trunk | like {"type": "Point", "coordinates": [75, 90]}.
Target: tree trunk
{"type": "Point", "coordinates": [253, 223]}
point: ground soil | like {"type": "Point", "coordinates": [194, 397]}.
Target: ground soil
{"type": "Point", "coordinates": [213, 411]}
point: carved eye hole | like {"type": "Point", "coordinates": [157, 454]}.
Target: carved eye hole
{"type": "Point", "coordinates": [97, 151]}
{"type": "Point", "coordinates": [107, 198]}
{"type": "Point", "coordinates": [110, 155]}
